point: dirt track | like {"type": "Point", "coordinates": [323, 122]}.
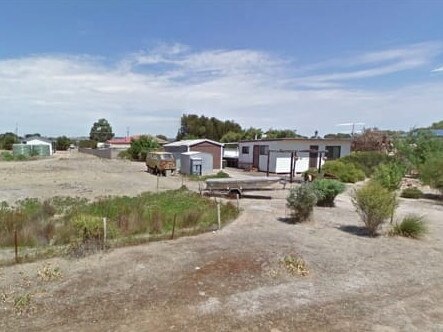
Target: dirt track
{"type": "Point", "coordinates": [232, 279]}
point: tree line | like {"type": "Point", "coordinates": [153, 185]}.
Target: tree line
{"type": "Point", "coordinates": [193, 126]}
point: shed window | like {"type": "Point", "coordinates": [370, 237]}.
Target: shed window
{"type": "Point", "coordinates": [245, 150]}
{"type": "Point", "coordinates": [333, 152]}
{"type": "Point", "coordinates": [264, 150]}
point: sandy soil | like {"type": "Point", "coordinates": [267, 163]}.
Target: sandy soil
{"type": "Point", "coordinates": [233, 279]}
{"type": "Point", "coordinates": [77, 174]}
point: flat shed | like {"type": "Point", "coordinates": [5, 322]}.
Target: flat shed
{"type": "Point", "coordinates": [196, 163]}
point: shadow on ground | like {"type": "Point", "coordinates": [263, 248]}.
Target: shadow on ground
{"type": "Point", "coordinates": [355, 230]}
{"type": "Point", "coordinates": [290, 220]}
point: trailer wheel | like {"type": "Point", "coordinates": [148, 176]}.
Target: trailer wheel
{"type": "Point", "coordinates": [232, 193]}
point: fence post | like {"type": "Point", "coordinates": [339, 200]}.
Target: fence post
{"type": "Point", "coordinates": [104, 231]}
{"type": "Point", "coordinates": [218, 215]}
{"type": "Point", "coordinates": [16, 245]}
{"type": "Point", "coordinates": [158, 179]}
{"type": "Point", "coordinates": [238, 202]}
{"type": "Point", "coordinates": [173, 227]}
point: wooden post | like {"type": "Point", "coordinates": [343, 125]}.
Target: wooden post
{"type": "Point", "coordinates": [319, 162]}
{"type": "Point", "coordinates": [158, 179]}
{"type": "Point", "coordinates": [16, 245]}
{"type": "Point", "coordinates": [238, 202]}
{"type": "Point", "coordinates": [104, 231]}
{"type": "Point", "coordinates": [218, 215]}
{"type": "Point", "coordinates": [173, 227]}
{"type": "Point", "coordinates": [295, 162]}
{"type": "Point", "coordinates": [291, 176]}
{"type": "Point", "coordinates": [267, 165]}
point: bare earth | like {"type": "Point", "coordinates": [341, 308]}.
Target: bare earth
{"type": "Point", "coordinates": [231, 279]}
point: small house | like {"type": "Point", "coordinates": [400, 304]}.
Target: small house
{"type": "Point", "coordinates": [196, 163]}
{"type": "Point", "coordinates": [274, 155]}
{"type": "Point", "coordinates": [199, 145]}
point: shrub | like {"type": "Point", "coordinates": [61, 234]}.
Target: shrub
{"type": "Point", "coordinates": [431, 172]}
{"type": "Point", "coordinates": [413, 192]}
{"type": "Point", "coordinates": [389, 175]}
{"type": "Point", "coordinates": [345, 172]}
{"type": "Point", "coordinates": [326, 191]}
{"type": "Point", "coordinates": [374, 205]}
{"type": "Point", "coordinates": [412, 226]}
{"type": "Point", "coordinates": [124, 154]}
{"type": "Point", "coordinates": [6, 156]}
{"type": "Point", "coordinates": [301, 201]}
{"type": "Point", "coordinates": [366, 160]}
{"type": "Point", "coordinates": [87, 144]}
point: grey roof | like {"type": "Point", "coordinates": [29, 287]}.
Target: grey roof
{"type": "Point", "coordinates": [192, 142]}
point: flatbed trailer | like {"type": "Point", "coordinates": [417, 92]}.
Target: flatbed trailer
{"type": "Point", "coordinates": [233, 186]}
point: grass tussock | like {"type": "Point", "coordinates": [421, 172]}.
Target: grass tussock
{"type": "Point", "coordinates": [412, 226]}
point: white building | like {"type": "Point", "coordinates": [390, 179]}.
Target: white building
{"type": "Point", "coordinates": [37, 140]}
{"type": "Point", "coordinates": [309, 153]}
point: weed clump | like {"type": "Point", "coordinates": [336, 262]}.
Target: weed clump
{"type": "Point", "coordinates": [49, 273]}
{"type": "Point", "coordinates": [295, 265]}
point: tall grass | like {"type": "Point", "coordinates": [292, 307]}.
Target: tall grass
{"type": "Point", "coordinates": [65, 220]}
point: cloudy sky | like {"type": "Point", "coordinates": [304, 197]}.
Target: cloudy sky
{"type": "Point", "coordinates": [142, 64]}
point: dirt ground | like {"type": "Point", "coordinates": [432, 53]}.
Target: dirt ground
{"type": "Point", "coordinates": [229, 280]}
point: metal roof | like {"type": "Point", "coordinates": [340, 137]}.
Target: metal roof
{"type": "Point", "coordinates": [192, 142]}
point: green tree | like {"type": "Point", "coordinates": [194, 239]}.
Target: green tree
{"type": "Point", "coordinates": [141, 146]}
{"type": "Point", "coordinates": [33, 135]}
{"type": "Point", "coordinates": [101, 131]}
{"type": "Point", "coordinates": [437, 125]}
{"type": "Point", "coordinates": [419, 145]}
{"type": "Point", "coordinates": [284, 133]}
{"type": "Point", "coordinates": [163, 137]}
{"type": "Point", "coordinates": [7, 140]}
{"type": "Point", "coordinates": [62, 143]}
{"type": "Point", "coordinates": [231, 137]}
{"type": "Point", "coordinates": [338, 136]}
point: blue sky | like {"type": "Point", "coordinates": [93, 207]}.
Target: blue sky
{"type": "Point", "coordinates": [282, 64]}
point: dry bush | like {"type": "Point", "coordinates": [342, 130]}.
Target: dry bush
{"type": "Point", "coordinates": [49, 273]}
{"type": "Point", "coordinates": [374, 204]}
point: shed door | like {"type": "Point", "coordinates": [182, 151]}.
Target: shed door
{"type": "Point", "coordinates": [256, 156]}
{"type": "Point", "coordinates": [313, 156]}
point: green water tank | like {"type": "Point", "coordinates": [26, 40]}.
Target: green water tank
{"type": "Point", "coordinates": [41, 150]}
{"type": "Point", "coordinates": [21, 149]}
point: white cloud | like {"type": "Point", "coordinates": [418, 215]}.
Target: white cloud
{"type": "Point", "coordinates": [148, 91]}
{"type": "Point", "coordinates": [438, 69]}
